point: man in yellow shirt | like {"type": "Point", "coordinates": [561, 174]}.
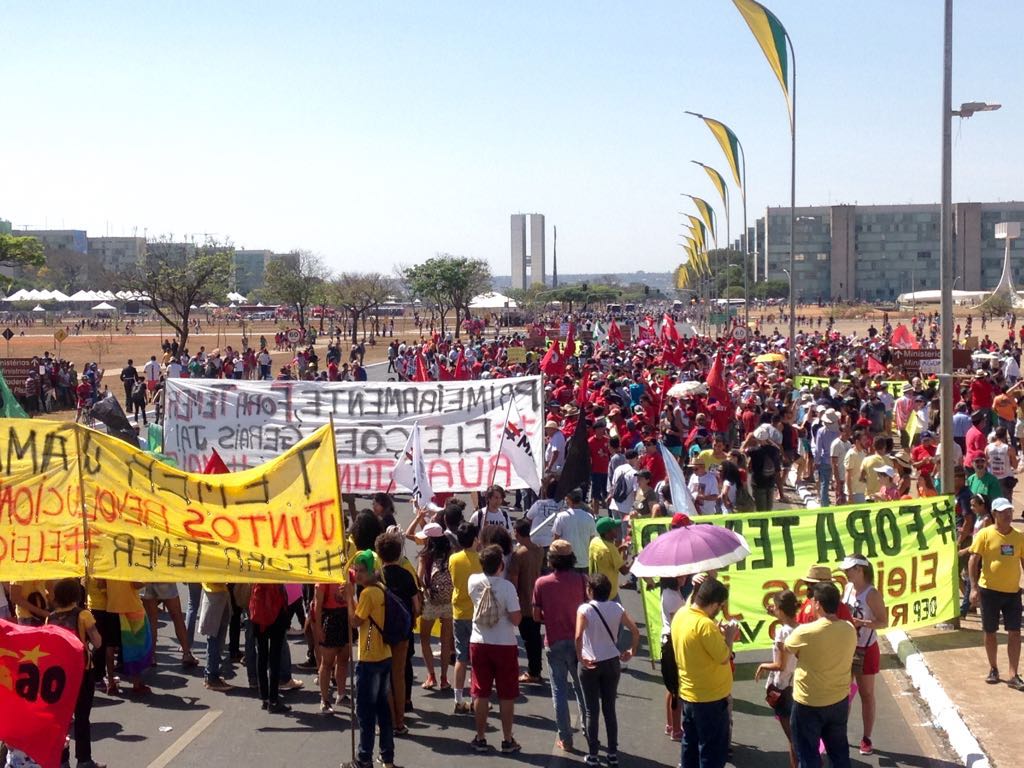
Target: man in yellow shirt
{"type": "Point", "coordinates": [996, 555]}
{"type": "Point", "coordinates": [879, 458]}
{"type": "Point", "coordinates": [373, 665]}
{"type": "Point", "coordinates": [461, 566]}
{"type": "Point", "coordinates": [605, 556]}
{"type": "Point", "coordinates": [30, 600]}
{"type": "Point", "coordinates": [703, 653]}
{"type": "Point", "coordinates": [821, 684]}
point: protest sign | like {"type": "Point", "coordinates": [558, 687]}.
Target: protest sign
{"type": "Point", "coordinates": [516, 354]}
{"type": "Point", "coordinates": [894, 388]}
{"type": "Point", "coordinates": [41, 671]}
{"type": "Point", "coordinates": [16, 370]}
{"type": "Point", "coordinates": [250, 422]}
{"type": "Point", "coordinates": [66, 490]}
{"type": "Point", "coordinates": [910, 544]}
{"type": "Point", "coordinates": [41, 534]}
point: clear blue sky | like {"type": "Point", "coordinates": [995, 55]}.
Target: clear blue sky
{"type": "Point", "coordinates": [380, 133]}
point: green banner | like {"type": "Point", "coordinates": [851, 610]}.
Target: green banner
{"type": "Point", "coordinates": [894, 387]}
{"type": "Point", "coordinates": [10, 407]}
{"type": "Point", "coordinates": [910, 544]}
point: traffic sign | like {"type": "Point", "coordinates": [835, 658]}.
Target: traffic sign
{"type": "Point", "coordinates": [60, 334]}
{"type": "Point", "coordinates": [739, 333]}
{"type": "Point", "coordinates": [8, 334]}
{"type": "Point", "coordinates": [294, 335]}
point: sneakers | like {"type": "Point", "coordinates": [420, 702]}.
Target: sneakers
{"type": "Point", "coordinates": [216, 684]}
{"type": "Point", "coordinates": [341, 700]}
{"type": "Point", "coordinates": [462, 708]}
{"type": "Point", "coordinates": [326, 708]}
{"type": "Point", "coordinates": [278, 707]}
{"type": "Point", "coordinates": [866, 747]}
{"type": "Point", "coordinates": [993, 676]}
{"type": "Point", "coordinates": [509, 747]}
{"type": "Point", "coordinates": [1016, 683]}
{"type": "Point", "coordinates": [480, 745]}
{"type": "Point", "coordinates": [612, 759]}
{"type": "Point", "coordinates": [592, 761]}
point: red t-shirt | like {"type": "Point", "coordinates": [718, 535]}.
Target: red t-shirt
{"type": "Point", "coordinates": [721, 416]}
{"type": "Point", "coordinates": [558, 595]}
{"type": "Point", "coordinates": [654, 464]}
{"type": "Point", "coordinates": [922, 452]}
{"type": "Point", "coordinates": [600, 454]}
{"type": "Point", "coordinates": [976, 443]}
{"type": "Point", "coordinates": [807, 613]}
{"type": "Point", "coordinates": [982, 394]}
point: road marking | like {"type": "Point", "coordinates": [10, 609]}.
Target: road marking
{"type": "Point", "coordinates": [165, 757]}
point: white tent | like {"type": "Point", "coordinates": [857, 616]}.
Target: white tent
{"type": "Point", "coordinates": [58, 296]}
{"type": "Point", "coordinates": [18, 295]}
{"type": "Point", "coordinates": [492, 301]}
{"type": "Point", "coordinates": [235, 296]}
{"type": "Point", "coordinates": [103, 305]}
{"type": "Point", "coordinates": [210, 305]}
{"type": "Point", "coordinates": [38, 308]}
{"type": "Point", "coordinates": [80, 296]}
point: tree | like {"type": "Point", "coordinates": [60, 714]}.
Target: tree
{"type": "Point", "coordinates": [449, 282]}
{"type": "Point", "coordinates": [295, 280]}
{"type": "Point", "coordinates": [359, 294]}
{"type": "Point", "coordinates": [771, 289]}
{"type": "Point", "coordinates": [177, 277]}
{"type": "Point", "coordinates": [21, 251]}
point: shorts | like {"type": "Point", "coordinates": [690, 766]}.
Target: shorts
{"type": "Point", "coordinates": [599, 486]}
{"type": "Point", "coordinates": [784, 706]}
{"type": "Point", "coordinates": [109, 626]}
{"type": "Point", "coordinates": [433, 611]}
{"type": "Point", "coordinates": [675, 450]}
{"type": "Point", "coordinates": [872, 660]}
{"type": "Point", "coordinates": [993, 604]}
{"type": "Point", "coordinates": [497, 665]}
{"type": "Point", "coordinates": [463, 630]}
{"type": "Point", "coordinates": [151, 385]}
{"type": "Point", "coordinates": [159, 590]}
{"type": "Point", "coordinates": [336, 628]}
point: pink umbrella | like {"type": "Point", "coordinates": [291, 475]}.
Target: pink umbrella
{"type": "Point", "coordinates": [690, 549]}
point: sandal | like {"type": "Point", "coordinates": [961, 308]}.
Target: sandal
{"type": "Point", "coordinates": [445, 687]}
{"type": "Point", "coordinates": [400, 730]}
{"type": "Point", "coordinates": [429, 684]}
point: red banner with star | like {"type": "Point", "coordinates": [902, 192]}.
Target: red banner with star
{"type": "Point", "coordinates": [41, 671]}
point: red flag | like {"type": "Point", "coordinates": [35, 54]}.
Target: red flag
{"type": "Point", "coordinates": [461, 368]}
{"type": "Point", "coordinates": [875, 365]}
{"type": "Point", "coordinates": [581, 394]}
{"type": "Point", "coordinates": [41, 671]}
{"type": "Point", "coordinates": [615, 334]}
{"type": "Point", "coordinates": [716, 380]}
{"type": "Point", "coordinates": [422, 374]}
{"type": "Point", "coordinates": [570, 342]}
{"type": "Point", "coordinates": [553, 363]}
{"type": "Point", "coordinates": [215, 465]}
{"type": "Point", "coordinates": [443, 374]}
{"type": "Point", "coordinates": [668, 328]}
{"type": "Point", "coordinates": [902, 337]}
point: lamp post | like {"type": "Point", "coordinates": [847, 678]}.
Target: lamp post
{"type": "Point", "coordinates": [792, 341]}
{"type": "Point", "coordinates": [946, 246]}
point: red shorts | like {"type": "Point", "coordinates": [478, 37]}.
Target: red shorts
{"type": "Point", "coordinates": [872, 660]}
{"type": "Point", "coordinates": [151, 385]}
{"type": "Point", "coordinates": [497, 664]}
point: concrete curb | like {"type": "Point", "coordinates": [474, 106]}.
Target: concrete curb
{"type": "Point", "coordinates": [945, 713]}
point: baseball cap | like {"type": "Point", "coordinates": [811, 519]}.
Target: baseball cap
{"type": "Point", "coordinates": [606, 524]}
{"type": "Point", "coordinates": [852, 560]}
{"type": "Point", "coordinates": [1001, 505]}
{"type": "Point", "coordinates": [680, 520]}
{"type": "Point", "coordinates": [886, 470]}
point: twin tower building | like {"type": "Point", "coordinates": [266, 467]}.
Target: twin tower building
{"type": "Point", "coordinates": [528, 265]}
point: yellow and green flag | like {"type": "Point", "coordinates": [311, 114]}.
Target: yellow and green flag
{"type": "Point", "coordinates": [699, 230]}
{"type": "Point", "coordinates": [730, 146]}
{"type": "Point", "coordinates": [770, 35]}
{"type": "Point", "coordinates": [707, 215]}
{"type": "Point", "coordinates": [719, 182]}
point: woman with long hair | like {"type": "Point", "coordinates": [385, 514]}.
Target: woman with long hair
{"type": "Point", "coordinates": [437, 603]}
{"type": "Point", "coordinates": [779, 685]}
{"type": "Point", "coordinates": [1002, 460]}
{"type": "Point", "coordinates": [730, 482]}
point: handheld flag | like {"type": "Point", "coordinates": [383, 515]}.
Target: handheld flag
{"type": "Point", "coordinates": [576, 471]}
{"type": "Point", "coordinates": [913, 426]}
{"type": "Point", "coordinates": [570, 342]}
{"type": "Point", "coordinates": [716, 380]}
{"type": "Point", "coordinates": [682, 501]}
{"type": "Point", "coordinates": [461, 366]}
{"type": "Point", "coordinates": [553, 363]}
{"type": "Point", "coordinates": [215, 465]}
{"type": "Point", "coordinates": [410, 470]}
{"type": "Point", "coordinates": [421, 374]}
{"type": "Point", "coordinates": [615, 334]}
{"type": "Point", "coordinates": [515, 444]}
{"type": "Point", "coordinates": [875, 365]}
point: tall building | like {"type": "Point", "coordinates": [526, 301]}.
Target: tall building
{"type": "Point", "coordinates": [527, 267]}
{"type": "Point", "coordinates": [249, 269]}
{"type": "Point", "coordinates": [117, 255]}
{"type": "Point", "coordinates": [61, 244]}
{"type": "Point", "coordinates": [877, 252]}
{"type": "Point", "coordinates": [5, 227]}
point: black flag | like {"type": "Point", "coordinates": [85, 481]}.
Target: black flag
{"type": "Point", "coordinates": [108, 412]}
{"type": "Point", "coordinates": [576, 470]}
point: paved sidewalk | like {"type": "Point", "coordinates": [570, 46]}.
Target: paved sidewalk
{"type": "Point", "coordinates": [957, 660]}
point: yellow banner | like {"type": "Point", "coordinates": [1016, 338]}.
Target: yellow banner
{"type": "Point", "coordinates": [41, 534]}
{"type": "Point", "coordinates": [894, 387]}
{"type": "Point", "coordinates": [147, 521]}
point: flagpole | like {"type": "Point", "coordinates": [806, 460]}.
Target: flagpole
{"type": "Point", "coordinates": [344, 576]}
{"type": "Point", "coordinates": [792, 213]}
{"type": "Point", "coordinates": [508, 412]}
{"type": "Point", "coordinates": [746, 243]}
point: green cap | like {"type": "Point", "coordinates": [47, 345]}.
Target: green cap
{"type": "Point", "coordinates": [606, 524]}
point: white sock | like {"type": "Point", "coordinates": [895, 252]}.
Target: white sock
{"type": "Point", "coordinates": [458, 695]}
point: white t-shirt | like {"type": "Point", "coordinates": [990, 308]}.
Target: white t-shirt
{"type": "Point", "coordinates": [838, 450]}
{"type": "Point", "coordinates": [555, 444]}
{"type": "Point", "coordinates": [599, 643]}
{"type": "Point", "coordinates": [152, 369]}
{"type": "Point", "coordinates": [173, 369]}
{"type": "Point", "coordinates": [576, 526]}
{"type": "Point", "coordinates": [784, 678]}
{"type": "Point", "coordinates": [504, 632]}
{"type": "Point", "coordinates": [626, 505]}
{"type": "Point", "coordinates": [704, 486]}
{"type": "Point", "coordinates": [540, 515]}
{"type": "Point", "coordinates": [500, 516]}
{"type": "Point", "coordinates": [671, 601]}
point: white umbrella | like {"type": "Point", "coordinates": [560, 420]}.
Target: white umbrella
{"type": "Point", "coordinates": [687, 388]}
{"type": "Point", "coordinates": [103, 305]}
{"type": "Point", "coordinates": [38, 308]}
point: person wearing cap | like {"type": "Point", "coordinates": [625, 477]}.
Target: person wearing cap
{"type": "Point", "coordinates": [605, 556]}
{"type": "Point", "coordinates": [983, 392]}
{"type": "Point", "coordinates": [888, 490]}
{"type": "Point", "coordinates": [983, 482]}
{"type": "Point", "coordinates": [976, 439]}
{"type": "Point", "coordinates": [997, 553]}
{"type": "Point", "coordinates": [824, 650]}
{"type": "Point", "coordinates": [816, 574]}
{"type": "Point", "coordinates": [554, 448]}
{"type": "Point", "coordinates": [703, 486]}
{"type": "Point", "coordinates": [765, 465]}
{"type": "Point", "coordinates": [556, 598]}
{"type": "Point", "coordinates": [869, 615]}
{"type": "Point", "coordinates": [903, 407]}
{"type": "Point", "coordinates": [821, 451]}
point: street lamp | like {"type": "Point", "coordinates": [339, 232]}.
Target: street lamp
{"type": "Point", "coordinates": [946, 244]}
{"type": "Point", "coordinates": [792, 338]}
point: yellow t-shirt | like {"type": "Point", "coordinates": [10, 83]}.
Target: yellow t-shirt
{"type": "Point", "coordinates": [868, 466]}
{"type": "Point", "coordinates": [707, 456]}
{"type": "Point", "coordinates": [34, 592]}
{"type": "Point", "coordinates": [1000, 558]}
{"type": "Point", "coordinates": [122, 597]}
{"type": "Point", "coordinates": [461, 566]}
{"type": "Point", "coordinates": [371, 644]}
{"type": "Point", "coordinates": [86, 621]}
{"type": "Point", "coordinates": [605, 558]}
{"type": "Point", "coordinates": [824, 651]}
{"type": "Point", "coordinates": [213, 588]}
{"type": "Point", "coordinates": [95, 594]}
{"type": "Point", "coordinates": [701, 655]}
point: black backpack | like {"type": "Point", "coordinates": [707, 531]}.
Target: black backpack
{"type": "Point", "coordinates": [621, 490]}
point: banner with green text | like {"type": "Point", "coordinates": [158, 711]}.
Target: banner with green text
{"type": "Point", "coordinates": [910, 544]}
{"type": "Point", "coordinates": [894, 387]}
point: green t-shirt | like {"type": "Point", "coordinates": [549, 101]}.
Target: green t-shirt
{"type": "Point", "coordinates": [988, 486]}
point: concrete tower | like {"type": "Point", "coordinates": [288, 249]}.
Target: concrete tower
{"type": "Point", "coordinates": [519, 251]}
{"type": "Point", "coordinates": [537, 248]}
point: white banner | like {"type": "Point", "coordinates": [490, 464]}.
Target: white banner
{"type": "Point", "coordinates": [461, 422]}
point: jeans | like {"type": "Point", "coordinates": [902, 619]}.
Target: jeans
{"type": "Point", "coordinates": [810, 725]}
{"type": "Point", "coordinates": [824, 480]}
{"type": "Point", "coordinates": [250, 654]}
{"type": "Point", "coordinates": [600, 686]}
{"type": "Point", "coordinates": [268, 657]}
{"type": "Point", "coordinates": [195, 594]}
{"type": "Point", "coordinates": [705, 734]}
{"type": "Point", "coordinates": [530, 632]}
{"type": "Point", "coordinates": [214, 648]}
{"type": "Point", "coordinates": [763, 499]}
{"type": "Point", "coordinates": [562, 666]}
{"type": "Point", "coordinates": [373, 680]}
